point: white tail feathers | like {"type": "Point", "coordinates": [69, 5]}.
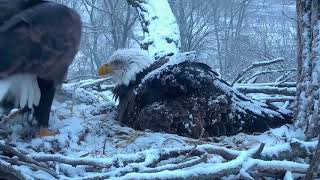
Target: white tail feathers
{"type": "Point", "coordinates": [22, 89]}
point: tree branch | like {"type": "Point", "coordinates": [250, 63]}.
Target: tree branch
{"type": "Point", "coordinates": [255, 65]}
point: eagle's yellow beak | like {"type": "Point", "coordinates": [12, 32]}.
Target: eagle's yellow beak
{"type": "Point", "coordinates": [105, 69]}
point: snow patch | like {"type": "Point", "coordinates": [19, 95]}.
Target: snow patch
{"type": "Point", "coordinates": [163, 36]}
{"type": "Point", "coordinates": [173, 60]}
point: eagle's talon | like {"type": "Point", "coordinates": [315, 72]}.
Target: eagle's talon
{"type": "Point", "coordinates": [44, 132]}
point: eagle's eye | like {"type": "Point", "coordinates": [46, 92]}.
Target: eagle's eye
{"type": "Point", "coordinates": [105, 69]}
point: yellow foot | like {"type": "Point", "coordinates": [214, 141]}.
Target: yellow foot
{"type": "Point", "coordinates": [45, 132]}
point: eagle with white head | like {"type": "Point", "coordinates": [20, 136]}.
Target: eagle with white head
{"type": "Point", "coordinates": [125, 64]}
{"type": "Point", "coordinates": [180, 95]}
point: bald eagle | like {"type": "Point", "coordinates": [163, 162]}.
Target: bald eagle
{"type": "Point", "coordinates": [38, 41]}
{"type": "Point", "coordinates": [180, 95]}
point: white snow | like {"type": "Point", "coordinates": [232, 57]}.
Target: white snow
{"type": "Point", "coordinates": [252, 105]}
{"type": "Point", "coordinates": [162, 26]}
{"type": "Point", "coordinates": [175, 59]}
{"type": "Point", "coordinates": [288, 176]}
{"type": "Point", "coordinates": [89, 131]}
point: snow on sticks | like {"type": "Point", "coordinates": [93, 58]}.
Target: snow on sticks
{"type": "Point", "coordinates": [92, 144]}
{"type": "Point", "coordinates": [187, 162]}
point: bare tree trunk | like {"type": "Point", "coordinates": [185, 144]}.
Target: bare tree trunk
{"type": "Point", "coordinates": [308, 54]}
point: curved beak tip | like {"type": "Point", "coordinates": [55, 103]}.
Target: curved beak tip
{"type": "Point", "coordinates": [105, 69]}
{"type": "Point", "coordinates": [102, 70]}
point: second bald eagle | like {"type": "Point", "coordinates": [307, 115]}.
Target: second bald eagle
{"type": "Point", "coordinates": [179, 95]}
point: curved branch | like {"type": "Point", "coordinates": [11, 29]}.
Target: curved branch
{"type": "Point", "coordinates": [255, 65]}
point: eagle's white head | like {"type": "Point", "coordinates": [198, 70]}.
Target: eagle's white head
{"type": "Point", "coordinates": [125, 64]}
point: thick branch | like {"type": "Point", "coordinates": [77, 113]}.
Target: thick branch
{"type": "Point", "coordinates": [255, 65]}
{"type": "Point", "coordinates": [171, 167]}
{"type": "Point", "coordinates": [9, 150]}
{"type": "Point", "coordinates": [274, 84]}
{"type": "Point", "coordinates": [34, 167]}
{"type": "Point", "coordinates": [268, 72]}
{"type": "Point", "coordinates": [9, 172]}
{"type": "Point", "coordinates": [84, 161]}
{"type": "Point", "coordinates": [267, 90]}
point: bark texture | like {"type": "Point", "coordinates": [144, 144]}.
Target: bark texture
{"type": "Point", "coordinates": [308, 57]}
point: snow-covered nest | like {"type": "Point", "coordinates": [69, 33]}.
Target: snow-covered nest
{"type": "Point", "coordinates": [91, 144]}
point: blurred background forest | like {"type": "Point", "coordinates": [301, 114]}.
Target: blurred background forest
{"type": "Point", "coordinates": [229, 35]}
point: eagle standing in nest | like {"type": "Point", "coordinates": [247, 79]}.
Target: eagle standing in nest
{"type": "Point", "coordinates": [181, 96]}
{"type": "Point", "coordinates": [38, 41]}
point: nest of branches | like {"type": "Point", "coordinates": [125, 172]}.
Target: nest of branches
{"type": "Point", "coordinates": [190, 162]}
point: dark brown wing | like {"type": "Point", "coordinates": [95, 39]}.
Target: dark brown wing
{"type": "Point", "coordinates": [42, 40]}
{"type": "Point", "coordinates": [12, 7]}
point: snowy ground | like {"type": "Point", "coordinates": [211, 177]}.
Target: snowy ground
{"type": "Point", "coordinates": [91, 131]}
